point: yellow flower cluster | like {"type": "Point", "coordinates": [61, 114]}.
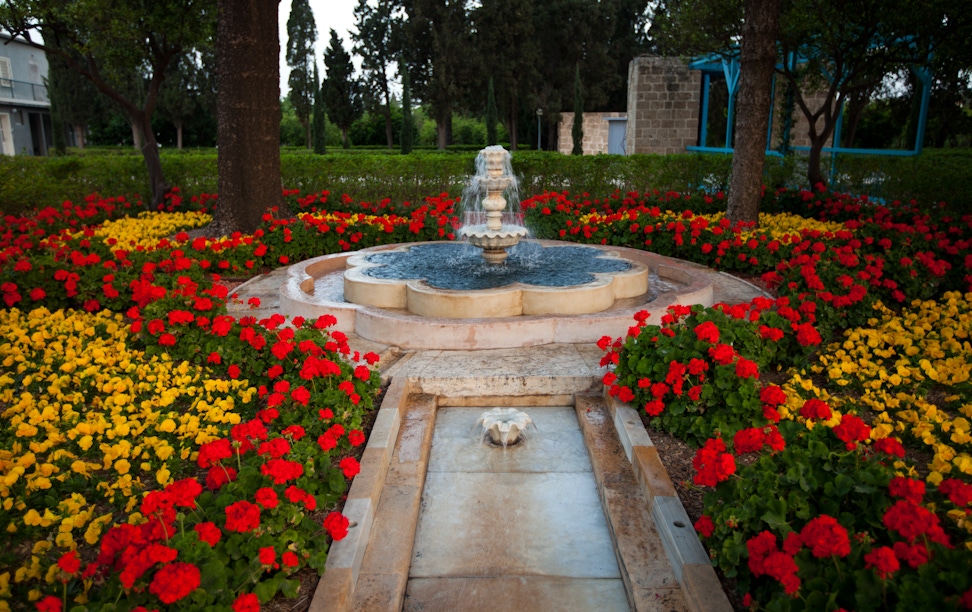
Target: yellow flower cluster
{"type": "Point", "coordinates": [781, 226]}
{"type": "Point", "coordinates": [148, 227]}
{"type": "Point", "coordinates": [83, 412]}
{"type": "Point", "coordinates": [913, 370]}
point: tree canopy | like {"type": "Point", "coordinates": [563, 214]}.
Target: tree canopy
{"type": "Point", "coordinates": [342, 95]}
{"type": "Point", "coordinates": [301, 36]}
{"type": "Point", "coordinates": [112, 42]}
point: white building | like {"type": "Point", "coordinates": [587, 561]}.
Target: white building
{"type": "Point", "coordinates": [25, 109]}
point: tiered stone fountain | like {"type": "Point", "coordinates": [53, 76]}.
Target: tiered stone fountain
{"type": "Point", "coordinates": [493, 289]}
{"type": "Point", "coordinates": [494, 237]}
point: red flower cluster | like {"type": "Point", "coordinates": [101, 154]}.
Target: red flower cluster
{"type": "Point", "coordinates": [815, 409]}
{"type": "Point", "coordinates": [766, 559]}
{"type": "Point", "coordinates": [208, 532]}
{"type": "Point", "coordinates": [336, 525]}
{"type": "Point", "coordinates": [883, 560]}
{"type": "Point", "coordinates": [350, 467]}
{"type": "Point", "coordinates": [852, 430]}
{"type": "Point", "coordinates": [281, 471]}
{"type": "Point", "coordinates": [713, 465]}
{"type": "Point", "coordinates": [825, 537]}
{"type": "Point", "coordinates": [175, 581]}
{"type": "Point", "coordinates": [242, 516]}
{"type": "Point", "coordinates": [752, 439]}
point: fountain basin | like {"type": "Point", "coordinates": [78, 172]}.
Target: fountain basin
{"type": "Point", "coordinates": [364, 284]}
{"type": "Point", "coordinates": [315, 287]}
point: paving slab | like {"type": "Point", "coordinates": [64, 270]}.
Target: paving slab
{"type": "Point", "coordinates": [520, 593]}
{"type": "Point", "coordinates": [552, 444]}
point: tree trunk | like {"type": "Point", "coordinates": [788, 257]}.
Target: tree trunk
{"type": "Point", "coordinates": [757, 59]}
{"type": "Point", "coordinates": [247, 114]}
{"type": "Point", "coordinates": [344, 138]}
{"type": "Point", "coordinates": [79, 135]}
{"type": "Point", "coordinates": [153, 162]}
{"type": "Point", "coordinates": [179, 135]}
{"type": "Point", "coordinates": [514, 133]}
{"type": "Point", "coordinates": [389, 133]}
{"type": "Point", "coordinates": [308, 135]}
{"type": "Point", "coordinates": [136, 136]}
{"type": "Point", "coordinates": [814, 175]}
{"type": "Point", "coordinates": [442, 130]}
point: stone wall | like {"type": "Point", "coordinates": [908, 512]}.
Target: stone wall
{"type": "Point", "coordinates": [595, 132]}
{"type": "Point", "coordinates": [663, 105]}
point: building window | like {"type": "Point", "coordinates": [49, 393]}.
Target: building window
{"type": "Point", "coordinates": [6, 72]}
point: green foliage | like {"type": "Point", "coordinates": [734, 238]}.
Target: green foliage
{"type": "Point", "coordinates": [408, 125]}
{"type": "Point", "coordinates": [319, 124]}
{"type": "Point", "coordinates": [490, 115]}
{"type": "Point", "coordinates": [342, 95]}
{"type": "Point", "coordinates": [301, 36]}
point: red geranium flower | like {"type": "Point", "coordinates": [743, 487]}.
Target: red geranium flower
{"type": "Point", "coordinates": [242, 516]}
{"type": "Point", "coordinates": [350, 467]}
{"type": "Point", "coordinates": [69, 562]}
{"type": "Point", "coordinates": [246, 603]}
{"type": "Point", "coordinates": [336, 525]}
{"type": "Point", "coordinates": [826, 537]}
{"type": "Point", "coordinates": [208, 532]}
{"type": "Point", "coordinates": [883, 561]}
{"type": "Point", "coordinates": [49, 604]}
{"type": "Point", "coordinates": [175, 581]}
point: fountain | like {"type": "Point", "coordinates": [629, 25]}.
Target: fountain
{"type": "Point", "coordinates": [493, 289]}
{"type": "Point", "coordinates": [493, 177]}
{"type": "Point", "coordinates": [504, 426]}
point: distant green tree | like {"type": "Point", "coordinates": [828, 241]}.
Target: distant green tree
{"type": "Point", "coordinates": [320, 126]}
{"type": "Point", "coordinates": [102, 38]}
{"type": "Point", "coordinates": [628, 40]}
{"type": "Point", "coordinates": [490, 115]}
{"type": "Point", "coordinates": [179, 96]}
{"type": "Point", "coordinates": [375, 42]}
{"type": "Point", "coordinates": [74, 100]}
{"type": "Point", "coordinates": [436, 43]}
{"type": "Point", "coordinates": [505, 40]}
{"type": "Point", "coordinates": [577, 130]}
{"type": "Point", "coordinates": [408, 126]}
{"type": "Point", "coordinates": [342, 95]}
{"type": "Point", "coordinates": [301, 36]}
{"type": "Point", "coordinates": [573, 33]}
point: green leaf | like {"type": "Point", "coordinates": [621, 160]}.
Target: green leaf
{"type": "Point", "coordinates": [290, 588]}
{"type": "Point", "coordinates": [267, 589]}
{"type": "Point", "coordinates": [775, 515]}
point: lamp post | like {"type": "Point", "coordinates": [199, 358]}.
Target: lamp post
{"type": "Point", "coordinates": [539, 116]}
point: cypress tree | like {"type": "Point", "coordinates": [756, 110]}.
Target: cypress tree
{"type": "Point", "coordinates": [490, 115]}
{"type": "Point", "coordinates": [342, 94]}
{"type": "Point", "coordinates": [577, 131]}
{"type": "Point", "coordinates": [302, 34]}
{"type": "Point", "coordinates": [407, 124]}
{"type": "Point", "coordinates": [319, 125]}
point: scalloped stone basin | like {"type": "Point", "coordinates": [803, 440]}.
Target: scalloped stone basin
{"type": "Point", "coordinates": [316, 286]}
{"type": "Point", "coordinates": [443, 280]}
{"type": "Point", "coordinates": [503, 426]}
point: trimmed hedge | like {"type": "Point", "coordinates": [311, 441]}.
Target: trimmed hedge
{"type": "Point", "coordinates": [29, 182]}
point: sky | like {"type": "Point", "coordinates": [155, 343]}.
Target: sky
{"type": "Point", "coordinates": [328, 14]}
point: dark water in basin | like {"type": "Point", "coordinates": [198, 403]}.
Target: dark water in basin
{"type": "Point", "coordinates": [459, 266]}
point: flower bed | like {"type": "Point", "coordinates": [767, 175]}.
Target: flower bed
{"type": "Point", "coordinates": [155, 449]}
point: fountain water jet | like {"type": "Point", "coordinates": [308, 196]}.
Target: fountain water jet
{"type": "Point", "coordinates": [493, 177]}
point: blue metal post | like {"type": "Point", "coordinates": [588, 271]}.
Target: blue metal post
{"type": "Point", "coordinates": [924, 75]}
{"type": "Point", "coordinates": [704, 122]}
{"type": "Point", "coordinates": [836, 141]}
{"type": "Point", "coordinates": [731, 70]}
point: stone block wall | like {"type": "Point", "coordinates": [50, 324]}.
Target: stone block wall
{"type": "Point", "coordinates": [799, 130]}
{"type": "Point", "coordinates": [663, 105]}
{"type": "Point", "coordinates": [595, 132]}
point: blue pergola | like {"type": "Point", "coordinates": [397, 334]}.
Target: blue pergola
{"type": "Point", "coordinates": [728, 67]}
